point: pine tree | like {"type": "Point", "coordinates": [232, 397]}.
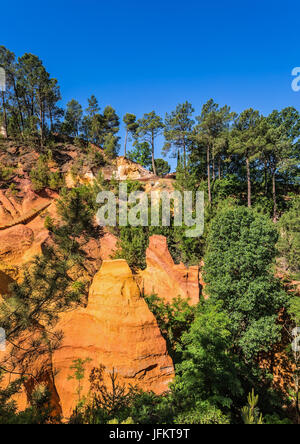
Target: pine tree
{"type": "Point", "coordinates": [131, 128]}
{"type": "Point", "coordinates": [244, 141]}
{"type": "Point", "coordinates": [149, 127]}
{"type": "Point", "coordinates": [178, 131]}
{"type": "Point", "coordinates": [73, 118]}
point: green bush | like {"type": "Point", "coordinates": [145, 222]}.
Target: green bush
{"type": "Point", "coordinates": [6, 173]}
{"type": "Point", "coordinates": [41, 176]}
{"type": "Point", "coordinates": [289, 241]}
{"type": "Point", "coordinates": [204, 414]}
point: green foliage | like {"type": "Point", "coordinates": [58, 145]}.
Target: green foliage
{"type": "Point", "coordinates": [205, 414]}
{"type": "Point", "coordinates": [149, 408]}
{"type": "Point", "coordinates": [132, 246]}
{"type": "Point", "coordinates": [42, 177]}
{"type": "Point", "coordinates": [275, 419]}
{"type": "Point", "coordinates": [141, 153]}
{"type": "Point", "coordinates": [78, 374]}
{"type": "Point", "coordinates": [178, 131]}
{"type": "Point", "coordinates": [250, 412]}
{"type": "Point", "coordinates": [134, 241]}
{"type": "Point", "coordinates": [173, 319]}
{"type": "Point", "coordinates": [111, 145]}
{"type": "Point", "coordinates": [116, 421]}
{"type": "Point", "coordinates": [240, 253]}
{"type": "Point", "coordinates": [6, 173]}
{"type": "Point", "coordinates": [113, 397]}
{"type": "Point", "coordinates": [73, 117]}
{"type": "Point", "coordinates": [229, 186]}
{"type": "Point", "coordinates": [162, 167]}
{"type": "Point", "coordinates": [38, 413]}
{"type": "Point", "coordinates": [294, 309]}
{"type": "Point", "coordinates": [131, 128]}
{"type": "Point", "coordinates": [149, 127]}
{"type": "Point", "coordinates": [108, 401]}
{"type": "Point", "coordinates": [209, 370]}
{"type": "Point", "coordinates": [289, 241]}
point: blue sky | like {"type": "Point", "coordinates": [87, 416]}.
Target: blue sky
{"type": "Point", "coordinates": [140, 56]}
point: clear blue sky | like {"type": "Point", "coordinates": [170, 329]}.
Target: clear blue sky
{"type": "Point", "coordinates": [143, 55]}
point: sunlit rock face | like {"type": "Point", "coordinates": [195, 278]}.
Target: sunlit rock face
{"type": "Point", "coordinates": [116, 330]}
{"type": "Point", "coordinates": [166, 279]}
{"type": "Point", "coordinates": [126, 169]}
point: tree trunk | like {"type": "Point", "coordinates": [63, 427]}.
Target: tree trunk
{"type": "Point", "coordinates": [208, 174]}
{"type": "Point", "coordinates": [153, 159]}
{"type": "Point", "coordinates": [125, 145]}
{"type": "Point", "coordinates": [51, 120]}
{"type": "Point", "coordinates": [41, 121]}
{"type": "Point", "coordinates": [19, 108]}
{"type": "Point", "coordinates": [219, 168]}
{"type": "Point", "coordinates": [213, 169]}
{"type": "Point", "coordinates": [274, 196]}
{"type": "Point", "coordinates": [184, 158]}
{"type": "Point", "coordinates": [248, 182]}
{"type": "Point", "coordinates": [266, 176]}
{"type": "Point", "coordinates": [41, 128]}
{"type": "Point", "coordinates": [4, 113]}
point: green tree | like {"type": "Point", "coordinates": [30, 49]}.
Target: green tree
{"type": "Point", "coordinates": [37, 92]}
{"type": "Point", "coordinates": [131, 128]}
{"type": "Point", "coordinates": [141, 153]}
{"type": "Point", "coordinates": [29, 103]}
{"type": "Point", "coordinates": [250, 413]}
{"type": "Point", "coordinates": [53, 111]}
{"type": "Point", "coordinates": [91, 123]}
{"type": "Point", "coordinates": [210, 134]}
{"type": "Point", "coordinates": [244, 141]}
{"type": "Point", "coordinates": [209, 370]}
{"type": "Point", "coordinates": [282, 147]}
{"type": "Point", "coordinates": [73, 118]}
{"type": "Point", "coordinates": [178, 130]}
{"type": "Point", "coordinates": [240, 253]}
{"type": "Point", "coordinates": [289, 241]}
{"type": "Point", "coordinates": [149, 127]}
{"type": "Point", "coordinates": [78, 374]}
{"type": "Point", "coordinates": [162, 167]}
{"type": "Point", "coordinates": [42, 177]}
{"type": "Point", "coordinates": [8, 63]}
{"type": "Point", "coordinates": [204, 414]}
{"type": "Point", "coordinates": [111, 145]}
{"type": "Point", "coordinates": [174, 319]}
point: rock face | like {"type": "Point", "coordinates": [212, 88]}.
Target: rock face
{"type": "Point", "coordinates": [165, 279]}
{"type": "Point", "coordinates": [116, 330]}
{"type": "Point", "coordinates": [108, 246]}
{"type": "Point", "coordinates": [22, 231]}
{"type": "Point", "coordinates": [126, 169]}
{"type": "Point", "coordinates": [21, 209]}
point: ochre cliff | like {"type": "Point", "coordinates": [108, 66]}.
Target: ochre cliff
{"type": "Point", "coordinates": [116, 330]}
{"type": "Point", "coordinates": [166, 279]}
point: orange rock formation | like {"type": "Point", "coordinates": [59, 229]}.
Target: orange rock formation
{"type": "Point", "coordinates": [116, 330]}
{"type": "Point", "coordinates": [165, 279]}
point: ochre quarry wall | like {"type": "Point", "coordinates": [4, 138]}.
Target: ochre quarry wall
{"type": "Point", "coordinates": [116, 330]}
{"type": "Point", "coordinates": [166, 279]}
